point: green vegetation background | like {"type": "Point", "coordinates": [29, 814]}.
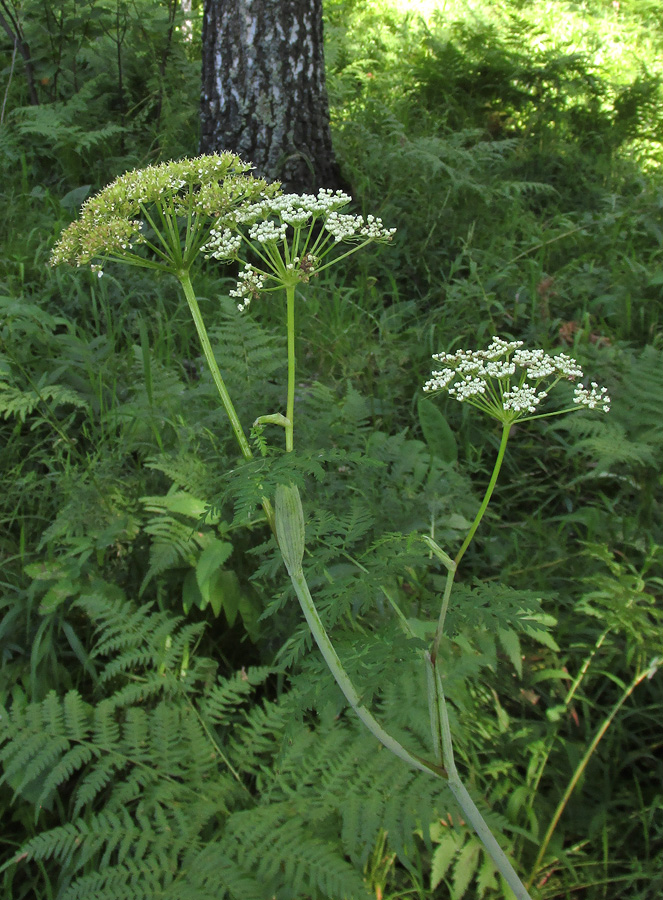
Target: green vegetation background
{"type": "Point", "coordinates": [517, 147]}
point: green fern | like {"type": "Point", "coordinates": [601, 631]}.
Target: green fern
{"type": "Point", "coordinates": [178, 787]}
{"type": "Point", "coordinates": [632, 435]}
{"type": "Point", "coordinates": [174, 542]}
{"type": "Point", "coordinates": [245, 347]}
{"type": "Point", "coordinates": [153, 647]}
{"type": "Point", "coordinates": [20, 403]}
{"type": "Point", "coordinates": [187, 469]}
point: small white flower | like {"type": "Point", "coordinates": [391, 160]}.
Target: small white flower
{"type": "Point", "coordinates": [267, 231]}
{"type": "Point", "coordinates": [439, 380]}
{"type": "Point", "coordinates": [567, 366]}
{"type": "Point", "coordinates": [249, 285]}
{"type": "Point", "coordinates": [467, 387]}
{"type": "Point", "coordinates": [592, 397]}
{"type": "Point", "coordinates": [223, 244]}
{"type": "Point", "coordinates": [499, 369]}
{"type": "Point", "coordinates": [342, 226]}
{"type": "Point", "coordinates": [537, 363]}
{"type": "Point", "coordinates": [500, 347]}
{"type": "Point", "coordinates": [522, 398]}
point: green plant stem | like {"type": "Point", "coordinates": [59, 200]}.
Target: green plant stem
{"type": "Point", "coordinates": [451, 574]}
{"type": "Point", "coordinates": [342, 679]}
{"type": "Point", "coordinates": [506, 428]}
{"type": "Point", "coordinates": [450, 566]}
{"type": "Point", "coordinates": [461, 793]}
{"type": "Point", "coordinates": [236, 425]}
{"type": "Point", "coordinates": [437, 706]}
{"type": "Point", "coordinates": [580, 768]}
{"type": "Point", "coordinates": [290, 405]}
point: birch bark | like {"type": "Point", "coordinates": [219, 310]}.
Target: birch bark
{"type": "Point", "coordinates": [263, 89]}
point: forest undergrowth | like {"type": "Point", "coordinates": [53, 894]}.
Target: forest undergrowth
{"type": "Point", "coordinates": [168, 728]}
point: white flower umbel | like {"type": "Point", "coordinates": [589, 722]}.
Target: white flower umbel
{"type": "Point", "coordinates": [290, 237]}
{"type": "Point", "coordinates": [510, 383]}
{"type": "Point", "coordinates": [594, 398]}
{"type": "Point", "coordinates": [249, 286]}
{"type": "Point", "coordinates": [267, 232]}
{"type": "Point", "coordinates": [292, 234]}
{"type": "Point", "coordinates": [224, 242]}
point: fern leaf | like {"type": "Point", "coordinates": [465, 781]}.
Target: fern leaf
{"type": "Point", "coordinates": [229, 693]}
{"type": "Point", "coordinates": [92, 783]}
{"type": "Point", "coordinates": [447, 848]}
{"type": "Point", "coordinates": [21, 403]}
{"type": "Point", "coordinates": [465, 868]}
{"type": "Point", "coordinates": [72, 761]}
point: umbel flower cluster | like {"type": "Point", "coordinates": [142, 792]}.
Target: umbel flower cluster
{"type": "Point", "coordinates": [162, 216]}
{"type": "Point", "coordinates": [159, 216]}
{"type": "Point", "coordinates": [509, 383]}
{"type": "Point", "coordinates": [291, 235]}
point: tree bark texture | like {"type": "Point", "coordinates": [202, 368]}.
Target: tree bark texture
{"type": "Point", "coordinates": [264, 95]}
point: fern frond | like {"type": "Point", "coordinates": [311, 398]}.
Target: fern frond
{"type": "Point", "coordinates": [259, 736]}
{"type": "Point", "coordinates": [632, 435]}
{"type": "Point", "coordinates": [71, 762]}
{"type": "Point", "coordinates": [21, 403]}
{"type": "Point", "coordinates": [275, 846]}
{"type": "Point", "coordinates": [141, 640]}
{"type": "Point", "coordinates": [130, 880]}
{"type": "Point", "coordinates": [608, 444]}
{"type": "Point", "coordinates": [96, 779]}
{"type": "Point", "coordinates": [230, 693]}
{"type": "Point", "coordinates": [213, 875]}
{"type": "Point", "coordinates": [187, 470]}
{"type": "Point", "coordinates": [243, 347]}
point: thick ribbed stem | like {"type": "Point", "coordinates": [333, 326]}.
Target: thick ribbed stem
{"type": "Point", "coordinates": [236, 425]}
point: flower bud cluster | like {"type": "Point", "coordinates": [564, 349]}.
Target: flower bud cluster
{"type": "Point", "coordinates": [508, 382]}
{"type": "Point", "coordinates": [267, 231]}
{"type": "Point", "coordinates": [223, 243]}
{"type": "Point", "coordinates": [294, 209]}
{"type": "Point", "coordinates": [114, 220]}
{"type": "Point", "coordinates": [97, 238]}
{"type": "Point", "coordinates": [298, 210]}
{"type": "Point", "coordinates": [248, 287]}
{"type": "Point", "coordinates": [163, 216]}
{"type": "Point", "coordinates": [594, 397]}
{"type": "Point", "coordinates": [347, 228]}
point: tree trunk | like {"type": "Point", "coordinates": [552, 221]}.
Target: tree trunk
{"type": "Point", "coordinates": [264, 95]}
{"type": "Point", "coordinates": [14, 31]}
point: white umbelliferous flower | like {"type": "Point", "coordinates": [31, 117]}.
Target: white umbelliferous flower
{"type": "Point", "coordinates": [249, 286]}
{"type": "Point", "coordinates": [292, 234]}
{"type": "Point", "coordinates": [594, 397]}
{"type": "Point", "coordinates": [222, 243]}
{"type": "Point", "coordinates": [263, 232]}
{"type": "Point", "coordinates": [510, 383]}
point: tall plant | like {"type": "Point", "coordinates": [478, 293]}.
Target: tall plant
{"type": "Point", "coordinates": [163, 217]}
